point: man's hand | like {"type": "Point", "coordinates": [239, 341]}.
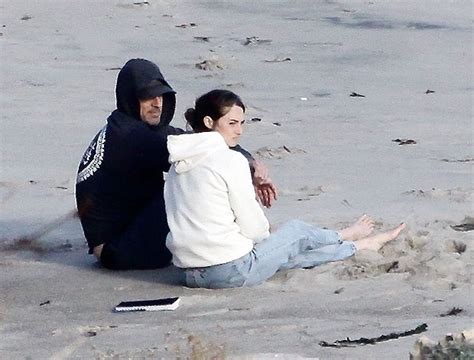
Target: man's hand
{"type": "Point", "coordinates": [264, 187]}
{"type": "Point", "coordinates": [266, 192]}
{"type": "Point", "coordinates": [260, 172]}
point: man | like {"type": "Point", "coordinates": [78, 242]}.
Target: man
{"type": "Point", "coordinates": [119, 188]}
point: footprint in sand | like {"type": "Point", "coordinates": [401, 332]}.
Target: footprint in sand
{"type": "Point", "coordinates": [457, 195]}
{"type": "Point", "coordinates": [418, 240]}
{"type": "Point", "coordinates": [93, 330]}
{"type": "Point", "coordinates": [362, 270]}
{"type": "Point", "coordinates": [255, 40]}
{"type": "Point", "coordinates": [279, 152]}
{"type": "Point", "coordinates": [212, 64]}
{"type": "Point", "coordinates": [304, 193]}
{"type": "Point", "coordinates": [238, 85]}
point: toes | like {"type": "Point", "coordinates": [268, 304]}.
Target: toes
{"type": "Point", "coordinates": [364, 219]}
{"type": "Point", "coordinates": [398, 230]}
{"type": "Point", "coordinates": [402, 226]}
{"type": "Point", "coordinates": [369, 223]}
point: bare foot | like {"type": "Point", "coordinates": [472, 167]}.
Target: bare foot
{"type": "Point", "coordinates": [360, 229]}
{"type": "Point", "coordinates": [377, 241]}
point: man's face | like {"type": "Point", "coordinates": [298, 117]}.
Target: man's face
{"type": "Point", "coordinates": [150, 110]}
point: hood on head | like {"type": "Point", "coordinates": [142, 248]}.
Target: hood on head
{"type": "Point", "coordinates": [139, 79]}
{"type": "Point", "coordinates": [189, 150]}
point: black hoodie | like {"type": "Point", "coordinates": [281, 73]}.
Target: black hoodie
{"type": "Point", "coordinates": [122, 169]}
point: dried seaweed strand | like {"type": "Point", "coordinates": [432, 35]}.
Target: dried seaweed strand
{"type": "Point", "coordinates": [370, 341]}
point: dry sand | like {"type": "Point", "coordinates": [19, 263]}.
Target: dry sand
{"type": "Point", "coordinates": [332, 155]}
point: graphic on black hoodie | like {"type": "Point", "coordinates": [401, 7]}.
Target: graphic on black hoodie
{"type": "Point", "coordinates": [93, 157]}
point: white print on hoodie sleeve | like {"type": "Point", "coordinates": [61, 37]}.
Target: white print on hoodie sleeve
{"type": "Point", "coordinates": [248, 213]}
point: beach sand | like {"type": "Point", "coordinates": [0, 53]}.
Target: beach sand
{"type": "Point", "coordinates": [333, 156]}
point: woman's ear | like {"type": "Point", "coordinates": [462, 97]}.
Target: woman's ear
{"type": "Point", "coordinates": [208, 122]}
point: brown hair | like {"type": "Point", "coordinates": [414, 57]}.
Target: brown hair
{"type": "Point", "coordinates": [215, 104]}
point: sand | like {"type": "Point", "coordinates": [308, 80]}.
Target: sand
{"type": "Point", "coordinates": [332, 155]}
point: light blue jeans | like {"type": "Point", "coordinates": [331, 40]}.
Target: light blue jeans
{"type": "Point", "coordinates": [294, 245]}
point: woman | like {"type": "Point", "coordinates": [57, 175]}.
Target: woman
{"type": "Point", "coordinates": [219, 234]}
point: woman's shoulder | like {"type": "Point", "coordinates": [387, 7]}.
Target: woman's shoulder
{"type": "Point", "coordinates": [229, 162]}
{"type": "Point", "coordinates": [230, 156]}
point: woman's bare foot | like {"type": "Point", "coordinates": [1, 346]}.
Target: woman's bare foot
{"type": "Point", "coordinates": [377, 241]}
{"type": "Point", "coordinates": [360, 229]}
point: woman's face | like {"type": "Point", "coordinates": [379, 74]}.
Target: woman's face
{"type": "Point", "coordinates": [230, 126]}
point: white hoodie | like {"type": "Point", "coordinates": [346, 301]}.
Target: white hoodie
{"type": "Point", "coordinates": [211, 207]}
